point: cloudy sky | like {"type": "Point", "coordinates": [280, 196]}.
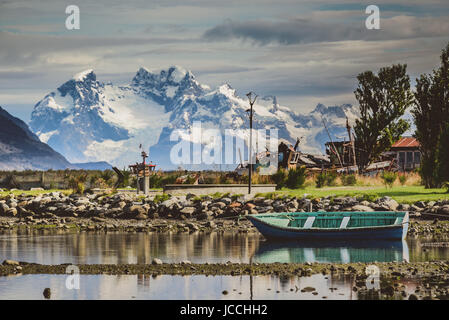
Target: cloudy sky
{"type": "Point", "coordinates": [304, 52]}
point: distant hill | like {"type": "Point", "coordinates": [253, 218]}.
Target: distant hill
{"type": "Point", "coordinates": [100, 165]}
{"type": "Point", "coordinates": [21, 149]}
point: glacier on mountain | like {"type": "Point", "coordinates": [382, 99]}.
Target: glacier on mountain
{"type": "Point", "coordinates": [87, 120]}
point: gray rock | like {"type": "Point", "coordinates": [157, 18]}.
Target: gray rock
{"type": "Point", "coordinates": [218, 204]}
{"type": "Point", "coordinates": [190, 196]}
{"type": "Point", "coordinates": [12, 212]}
{"type": "Point", "coordinates": [362, 208]}
{"type": "Point", "coordinates": [3, 208]}
{"type": "Point", "coordinates": [47, 293]}
{"type": "Point", "coordinates": [10, 263]}
{"type": "Point", "coordinates": [226, 201]}
{"type": "Point", "coordinates": [390, 204]}
{"type": "Point", "coordinates": [420, 204]}
{"type": "Point", "coordinates": [156, 261]}
{"type": "Point", "coordinates": [444, 209]}
{"type": "Point", "coordinates": [187, 211]}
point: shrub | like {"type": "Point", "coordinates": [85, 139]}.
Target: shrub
{"type": "Point", "coordinates": [280, 178]}
{"type": "Point", "coordinates": [325, 179]}
{"type": "Point", "coordinates": [320, 180]}
{"type": "Point", "coordinates": [388, 178]}
{"type": "Point", "coordinates": [349, 180]}
{"type": "Point", "coordinates": [403, 179]}
{"type": "Point", "coordinates": [331, 176]}
{"type": "Point", "coordinates": [80, 187]}
{"type": "Point", "coordinates": [296, 178]}
{"type": "Point", "coordinates": [368, 197]}
{"type": "Point", "coordinates": [161, 197]}
{"type": "Point", "coordinates": [76, 183]}
{"type": "Point", "coordinates": [446, 186]}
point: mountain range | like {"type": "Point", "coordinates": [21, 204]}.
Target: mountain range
{"type": "Point", "coordinates": [88, 120]}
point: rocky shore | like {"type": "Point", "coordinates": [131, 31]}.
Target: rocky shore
{"type": "Point", "coordinates": [129, 212]}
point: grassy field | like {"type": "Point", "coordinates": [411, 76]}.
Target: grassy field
{"type": "Point", "coordinates": [34, 192]}
{"type": "Point", "coordinates": [403, 194]}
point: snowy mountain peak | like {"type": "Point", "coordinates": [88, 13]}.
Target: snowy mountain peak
{"type": "Point", "coordinates": [227, 90]}
{"type": "Point", "coordinates": [86, 74]}
{"type": "Point", "coordinates": [167, 86]}
{"type": "Point", "coordinates": [87, 120]}
{"type": "Point", "coordinates": [173, 75]}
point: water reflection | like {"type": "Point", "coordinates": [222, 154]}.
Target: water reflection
{"type": "Point", "coordinates": [332, 252]}
{"type": "Point", "coordinates": [57, 246]}
{"type": "Point", "coordinates": [179, 287]}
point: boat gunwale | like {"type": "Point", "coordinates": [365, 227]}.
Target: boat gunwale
{"type": "Point", "coordinates": [324, 230]}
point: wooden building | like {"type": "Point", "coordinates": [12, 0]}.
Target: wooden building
{"type": "Point", "coordinates": [408, 156]}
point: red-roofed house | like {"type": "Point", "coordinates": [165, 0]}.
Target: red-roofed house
{"type": "Point", "coordinates": [407, 152]}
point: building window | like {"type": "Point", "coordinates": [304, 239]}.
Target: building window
{"type": "Point", "coordinates": [417, 157]}
{"type": "Point", "coordinates": [401, 157]}
{"type": "Point", "coordinates": [409, 157]}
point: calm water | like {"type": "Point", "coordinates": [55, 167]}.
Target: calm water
{"type": "Point", "coordinates": [178, 287]}
{"type": "Point", "coordinates": [55, 247]}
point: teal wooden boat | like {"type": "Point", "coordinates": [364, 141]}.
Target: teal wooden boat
{"type": "Point", "coordinates": [332, 225]}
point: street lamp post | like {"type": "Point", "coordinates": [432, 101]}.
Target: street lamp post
{"type": "Point", "coordinates": [250, 153]}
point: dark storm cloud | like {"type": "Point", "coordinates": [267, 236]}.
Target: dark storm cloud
{"type": "Point", "coordinates": [288, 32]}
{"type": "Point", "coordinates": [297, 31]}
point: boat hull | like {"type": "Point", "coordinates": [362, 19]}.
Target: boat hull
{"type": "Point", "coordinates": [393, 232]}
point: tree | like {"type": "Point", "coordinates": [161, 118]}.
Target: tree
{"type": "Point", "coordinates": [431, 114]}
{"type": "Point", "coordinates": [442, 155]}
{"type": "Point", "coordinates": [383, 99]}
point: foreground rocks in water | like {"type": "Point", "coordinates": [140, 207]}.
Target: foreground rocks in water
{"type": "Point", "coordinates": [10, 263]}
{"type": "Point", "coordinates": [47, 293]}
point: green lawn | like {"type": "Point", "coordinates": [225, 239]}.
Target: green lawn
{"type": "Point", "coordinates": [33, 193]}
{"type": "Point", "coordinates": [405, 194]}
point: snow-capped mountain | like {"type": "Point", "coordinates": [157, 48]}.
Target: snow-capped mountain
{"type": "Point", "coordinates": [87, 120]}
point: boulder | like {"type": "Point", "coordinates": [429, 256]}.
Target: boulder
{"type": "Point", "coordinates": [3, 209]}
{"type": "Point", "coordinates": [11, 263]}
{"type": "Point", "coordinates": [226, 200]}
{"type": "Point", "coordinates": [12, 212]}
{"type": "Point", "coordinates": [444, 209]}
{"type": "Point", "coordinates": [420, 204]}
{"type": "Point", "coordinates": [392, 204]}
{"type": "Point", "coordinates": [362, 208]}
{"type": "Point", "coordinates": [190, 196]}
{"type": "Point", "coordinates": [187, 211]}
{"type": "Point", "coordinates": [235, 205]}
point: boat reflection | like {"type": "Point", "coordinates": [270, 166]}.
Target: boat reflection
{"type": "Point", "coordinates": [332, 252]}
